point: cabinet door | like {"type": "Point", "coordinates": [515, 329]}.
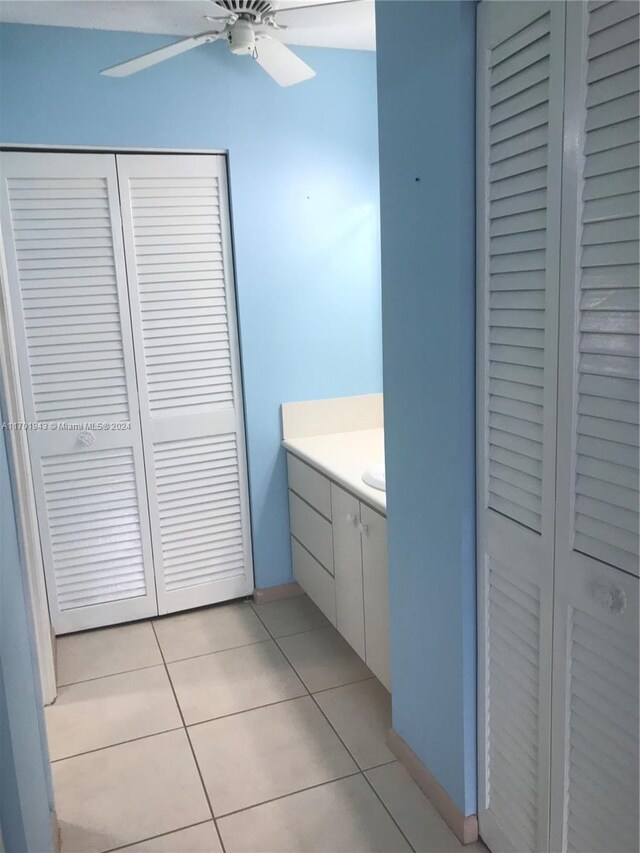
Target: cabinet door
{"type": "Point", "coordinates": [376, 594]}
{"type": "Point", "coordinates": [595, 664]}
{"type": "Point", "coordinates": [347, 562]}
{"type": "Point", "coordinates": [520, 60]}
{"type": "Point", "coordinates": [63, 244]}
{"type": "Point", "coordinates": [178, 252]}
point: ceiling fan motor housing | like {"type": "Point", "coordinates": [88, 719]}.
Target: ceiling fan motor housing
{"type": "Point", "coordinates": [255, 10]}
{"type": "Point", "coordinates": [242, 37]}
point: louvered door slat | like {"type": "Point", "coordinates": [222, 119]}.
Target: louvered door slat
{"type": "Point", "coordinates": [595, 659]}
{"type": "Point", "coordinates": [608, 319]}
{"type": "Point", "coordinates": [512, 683]}
{"type": "Point", "coordinates": [63, 244]}
{"type": "Point", "coordinates": [177, 243]}
{"type": "Point", "coordinates": [520, 81]}
{"type": "Point", "coordinates": [517, 174]}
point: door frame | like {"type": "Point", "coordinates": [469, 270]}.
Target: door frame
{"type": "Point", "coordinates": [17, 449]}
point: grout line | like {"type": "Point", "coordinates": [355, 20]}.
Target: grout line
{"type": "Point", "coordinates": [290, 794]}
{"type": "Point", "coordinates": [193, 753]}
{"type": "Point", "coordinates": [108, 675]}
{"type": "Point", "coordinates": [245, 711]}
{"type": "Point", "coordinates": [214, 651]}
{"type": "Point", "coordinates": [382, 764]}
{"type": "Point", "coordinates": [361, 771]}
{"type": "Point", "coordinates": [117, 743]}
{"type": "Point", "coordinates": [163, 662]}
{"type": "Point", "coordinates": [162, 835]}
{"type": "Point", "coordinates": [347, 684]}
{"type": "Point", "coordinates": [384, 805]}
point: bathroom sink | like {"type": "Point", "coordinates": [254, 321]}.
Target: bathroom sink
{"type": "Point", "coordinates": [375, 477]}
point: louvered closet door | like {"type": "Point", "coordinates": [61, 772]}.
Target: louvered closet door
{"type": "Point", "coordinates": [63, 246]}
{"type": "Point", "coordinates": [178, 249]}
{"type": "Point", "coordinates": [595, 693]}
{"type": "Point", "coordinates": [519, 145]}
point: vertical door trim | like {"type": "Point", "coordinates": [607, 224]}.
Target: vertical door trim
{"type": "Point", "coordinates": [23, 493]}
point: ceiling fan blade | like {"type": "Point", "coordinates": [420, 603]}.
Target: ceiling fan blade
{"type": "Point", "coordinates": [319, 14]}
{"type": "Point", "coordinates": [281, 63]}
{"type": "Point", "coordinates": [131, 66]}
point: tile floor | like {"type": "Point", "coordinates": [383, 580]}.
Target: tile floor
{"type": "Point", "coordinates": [234, 728]}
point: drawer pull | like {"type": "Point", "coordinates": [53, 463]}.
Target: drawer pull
{"type": "Point", "coordinates": [611, 596]}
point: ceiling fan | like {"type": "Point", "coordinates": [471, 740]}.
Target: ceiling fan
{"type": "Point", "coordinates": [250, 27]}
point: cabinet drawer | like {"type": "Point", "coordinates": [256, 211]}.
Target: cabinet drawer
{"type": "Point", "coordinates": [310, 485]}
{"type": "Point", "coordinates": [312, 530]}
{"type": "Point", "coordinates": [314, 580]}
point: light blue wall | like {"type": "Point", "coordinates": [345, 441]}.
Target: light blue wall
{"type": "Point", "coordinates": [304, 184]}
{"type": "Point", "coordinates": [426, 118]}
{"type": "Point", "coordinates": [25, 784]}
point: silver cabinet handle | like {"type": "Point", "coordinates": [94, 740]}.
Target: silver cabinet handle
{"type": "Point", "coordinates": [363, 528]}
{"type": "Point", "coordinates": [351, 518]}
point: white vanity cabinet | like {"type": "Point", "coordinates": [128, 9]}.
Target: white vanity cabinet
{"type": "Point", "coordinates": [375, 580]}
{"type": "Point", "coordinates": [350, 582]}
{"type": "Point", "coordinates": [347, 559]}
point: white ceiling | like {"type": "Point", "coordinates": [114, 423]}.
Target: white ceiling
{"type": "Point", "coordinates": [353, 26]}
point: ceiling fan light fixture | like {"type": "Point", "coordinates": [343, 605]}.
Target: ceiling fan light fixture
{"type": "Point", "coordinates": [242, 38]}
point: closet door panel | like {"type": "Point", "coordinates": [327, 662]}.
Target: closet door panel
{"type": "Point", "coordinates": [519, 136]}
{"type": "Point", "coordinates": [595, 688]}
{"type": "Point", "coordinates": [594, 797]}
{"type": "Point", "coordinates": [177, 243]}
{"type": "Point", "coordinates": [63, 247]}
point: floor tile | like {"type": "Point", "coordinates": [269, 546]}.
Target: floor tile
{"type": "Point", "coordinates": [259, 755]}
{"type": "Point", "coordinates": [105, 711]}
{"type": "Point", "coordinates": [341, 817]}
{"type": "Point", "coordinates": [213, 629]}
{"type": "Point", "coordinates": [323, 659]}
{"type": "Point", "coordinates": [202, 838]}
{"type": "Point", "coordinates": [414, 814]}
{"type": "Point", "coordinates": [128, 793]}
{"type": "Point", "coordinates": [235, 680]}
{"type": "Point", "coordinates": [105, 651]}
{"type": "Point", "coordinates": [291, 616]}
{"type": "Point", "coordinates": [361, 714]}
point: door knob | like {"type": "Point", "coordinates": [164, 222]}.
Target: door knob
{"type": "Point", "coordinates": [86, 439]}
{"type": "Point", "coordinates": [610, 595]}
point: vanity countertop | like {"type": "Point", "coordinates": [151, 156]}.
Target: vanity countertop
{"type": "Point", "coordinates": [344, 457]}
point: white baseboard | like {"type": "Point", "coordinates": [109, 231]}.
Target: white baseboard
{"type": "Point", "coordinates": [275, 593]}
{"type": "Point", "coordinates": [465, 827]}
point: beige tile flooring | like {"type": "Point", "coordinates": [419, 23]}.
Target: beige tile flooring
{"type": "Point", "coordinates": [234, 728]}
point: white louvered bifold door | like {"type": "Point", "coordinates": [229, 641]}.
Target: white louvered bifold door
{"type": "Point", "coordinates": [63, 245]}
{"type": "Point", "coordinates": [175, 213]}
{"type": "Point", "coordinates": [595, 664]}
{"type": "Point", "coordinates": [519, 150]}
